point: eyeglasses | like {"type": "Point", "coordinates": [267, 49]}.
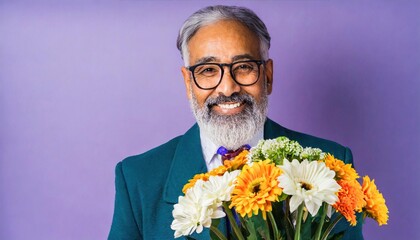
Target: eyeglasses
{"type": "Point", "coordinates": [209, 75]}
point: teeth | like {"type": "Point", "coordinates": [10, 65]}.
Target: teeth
{"type": "Point", "coordinates": [230, 106]}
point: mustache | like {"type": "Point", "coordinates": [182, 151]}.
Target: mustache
{"type": "Point", "coordinates": [235, 97]}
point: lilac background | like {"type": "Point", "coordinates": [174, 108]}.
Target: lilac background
{"type": "Point", "coordinates": [85, 84]}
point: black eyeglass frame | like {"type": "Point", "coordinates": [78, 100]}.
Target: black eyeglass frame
{"type": "Point", "coordinates": [221, 66]}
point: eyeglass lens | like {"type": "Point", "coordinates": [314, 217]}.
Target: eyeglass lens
{"type": "Point", "coordinates": [209, 75]}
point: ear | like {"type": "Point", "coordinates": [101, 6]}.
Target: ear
{"type": "Point", "coordinates": [269, 75]}
{"type": "Point", "coordinates": [187, 80]}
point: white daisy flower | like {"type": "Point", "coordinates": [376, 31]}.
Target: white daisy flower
{"type": "Point", "coordinates": [194, 211]}
{"type": "Point", "coordinates": [219, 188]}
{"type": "Point", "coordinates": [311, 183]}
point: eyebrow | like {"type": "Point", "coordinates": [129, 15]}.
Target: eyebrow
{"type": "Point", "coordinates": [215, 59]}
{"type": "Point", "coordinates": [242, 57]}
{"type": "Point", "coordinates": [206, 60]}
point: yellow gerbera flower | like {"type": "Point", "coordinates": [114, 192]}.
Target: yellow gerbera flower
{"type": "Point", "coordinates": [238, 162]}
{"type": "Point", "coordinates": [342, 170]}
{"type": "Point", "coordinates": [350, 200]}
{"type": "Point", "coordinates": [256, 187]}
{"type": "Point", "coordinates": [375, 202]}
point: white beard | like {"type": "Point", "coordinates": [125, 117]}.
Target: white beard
{"type": "Point", "coordinates": [231, 131]}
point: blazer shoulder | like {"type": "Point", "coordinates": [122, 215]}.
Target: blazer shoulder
{"type": "Point", "coordinates": [157, 158]}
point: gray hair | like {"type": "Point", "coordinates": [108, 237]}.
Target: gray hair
{"type": "Point", "coordinates": [211, 14]}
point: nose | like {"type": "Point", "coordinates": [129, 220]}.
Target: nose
{"type": "Point", "coordinates": [228, 86]}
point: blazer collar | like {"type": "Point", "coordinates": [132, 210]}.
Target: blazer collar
{"type": "Point", "coordinates": [188, 159]}
{"type": "Point", "coordinates": [273, 130]}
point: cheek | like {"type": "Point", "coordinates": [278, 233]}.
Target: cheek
{"type": "Point", "coordinates": [201, 95]}
{"type": "Point", "coordinates": [256, 91]}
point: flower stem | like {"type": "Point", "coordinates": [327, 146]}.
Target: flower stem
{"type": "Point", "coordinates": [331, 226]}
{"type": "Point", "coordinates": [299, 222]}
{"type": "Point", "coordinates": [288, 221]}
{"type": "Point", "coordinates": [232, 221]}
{"type": "Point", "coordinates": [217, 232]}
{"type": "Point", "coordinates": [274, 225]}
{"type": "Point", "coordinates": [321, 221]}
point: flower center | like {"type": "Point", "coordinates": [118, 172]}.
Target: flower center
{"type": "Point", "coordinates": [306, 186]}
{"type": "Point", "coordinates": [254, 187]}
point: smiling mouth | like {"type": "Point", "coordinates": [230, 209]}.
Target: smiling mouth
{"type": "Point", "coordinates": [228, 108]}
{"type": "Point", "coordinates": [229, 105]}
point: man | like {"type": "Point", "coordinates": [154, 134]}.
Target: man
{"type": "Point", "coordinates": [228, 77]}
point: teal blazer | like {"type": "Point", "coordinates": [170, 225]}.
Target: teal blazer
{"type": "Point", "coordinates": [148, 185]}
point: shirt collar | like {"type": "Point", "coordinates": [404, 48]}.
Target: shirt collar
{"type": "Point", "coordinates": [210, 149]}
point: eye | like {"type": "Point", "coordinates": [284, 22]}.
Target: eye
{"type": "Point", "coordinates": [207, 70]}
{"type": "Point", "coordinates": [243, 67]}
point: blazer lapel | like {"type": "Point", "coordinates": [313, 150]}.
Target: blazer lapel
{"type": "Point", "coordinates": [273, 130]}
{"type": "Point", "coordinates": [188, 160]}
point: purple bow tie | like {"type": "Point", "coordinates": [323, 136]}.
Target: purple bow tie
{"type": "Point", "coordinates": [229, 154]}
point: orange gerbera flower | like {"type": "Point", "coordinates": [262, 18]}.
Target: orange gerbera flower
{"type": "Point", "coordinates": [375, 202]}
{"type": "Point", "coordinates": [342, 170]}
{"type": "Point", "coordinates": [350, 200]}
{"type": "Point", "coordinates": [238, 162]}
{"type": "Point", "coordinates": [219, 171]}
{"type": "Point", "coordinates": [256, 187]}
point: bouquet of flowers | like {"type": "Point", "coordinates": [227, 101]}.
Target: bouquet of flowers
{"type": "Point", "coordinates": [277, 190]}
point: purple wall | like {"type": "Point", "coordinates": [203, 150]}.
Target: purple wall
{"type": "Point", "coordinates": [83, 85]}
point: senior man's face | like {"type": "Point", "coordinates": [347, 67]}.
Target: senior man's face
{"type": "Point", "coordinates": [231, 114]}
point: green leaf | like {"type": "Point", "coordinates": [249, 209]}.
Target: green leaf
{"type": "Point", "coordinates": [263, 233]}
{"type": "Point", "coordinates": [215, 223]}
{"type": "Point", "coordinates": [336, 236]}
{"type": "Point", "coordinates": [279, 213]}
{"type": "Point", "coordinates": [306, 230]}
{"type": "Point", "coordinates": [250, 226]}
{"type": "Point", "coordinates": [258, 228]}
{"type": "Point", "coordinates": [283, 197]}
